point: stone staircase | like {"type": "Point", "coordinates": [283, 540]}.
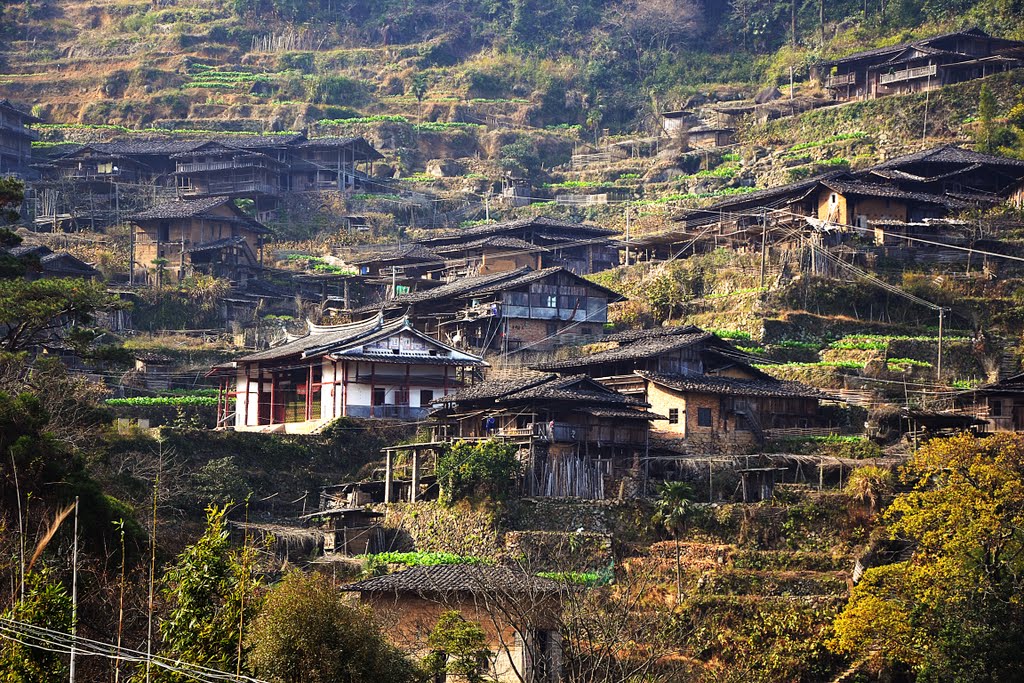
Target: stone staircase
{"type": "Point", "coordinates": [1008, 365]}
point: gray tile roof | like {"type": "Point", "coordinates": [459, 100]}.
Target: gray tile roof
{"type": "Point", "coordinates": [406, 252]}
{"type": "Point", "coordinates": [628, 336]}
{"type": "Point", "coordinates": [217, 244]}
{"type": "Point", "coordinates": [574, 388]}
{"type": "Point", "coordinates": [496, 241]}
{"type": "Point", "coordinates": [948, 154]}
{"type": "Point", "coordinates": [495, 388]}
{"type": "Point", "coordinates": [197, 208]}
{"type": "Point", "coordinates": [648, 347]}
{"type": "Point", "coordinates": [321, 340]}
{"type": "Point", "coordinates": [731, 386]}
{"type": "Point", "coordinates": [181, 208]}
{"type": "Point", "coordinates": [850, 187]}
{"type": "Point", "coordinates": [457, 578]}
{"type": "Point", "coordinates": [519, 224]}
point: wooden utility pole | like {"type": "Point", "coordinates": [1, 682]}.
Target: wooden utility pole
{"type": "Point", "coordinates": [74, 595]}
{"type": "Point", "coordinates": [627, 236]}
{"type": "Point", "coordinates": [764, 243]}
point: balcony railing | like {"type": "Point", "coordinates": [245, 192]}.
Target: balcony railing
{"type": "Point", "coordinates": [198, 167]}
{"type": "Point", "coordinates": [391, 412]}
{"type": "Point", "coordinates": [841, 80]}
{"type": "Point", "coordinates": [909, 74]}
{"type": "Point", "coordinates": [228, 188]}
{"type": "Point", "coordinates": [20, 130]}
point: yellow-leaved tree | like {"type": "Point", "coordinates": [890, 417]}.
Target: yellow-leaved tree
{"type": "Point", "coordinates": [955, 610]}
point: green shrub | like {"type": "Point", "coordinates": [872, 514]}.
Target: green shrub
{"type": "Point", "coordinates": [478, 471]}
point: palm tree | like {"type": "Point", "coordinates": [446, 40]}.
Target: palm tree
{"type": "Point", "coordinates": [419, 89]}
{"type": "Point", "coordinates": [673, 510]}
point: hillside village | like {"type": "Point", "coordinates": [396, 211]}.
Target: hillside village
{"type": "Point", "coordinates": [408, 346]}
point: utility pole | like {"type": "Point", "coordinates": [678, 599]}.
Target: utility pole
{"type": "Point", "coordinates": [627, 236]}
{"type": "Point", "coordinates": [74, 595]}
{"type": "Point", "coordinates": [764, 242]}
{"type": "Point", "coordinates": [938, 364]}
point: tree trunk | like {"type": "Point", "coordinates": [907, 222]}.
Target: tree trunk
{"type": "Point", "coordinates": [679, 574]}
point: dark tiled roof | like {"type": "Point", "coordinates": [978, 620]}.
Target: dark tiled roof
{"type": "Point", "coordinates": [518, 224]}
{"type": "Point", "coordinates": [406, 252]}
{"type": "Point", "coordinates": [648, 347]}
{"type": "Point", "coordinates": [25, 116]}
{"type": "Point", "coordinates": [534, 275]}
{"type": "Point", "coordinates": [256, 141]}
{"type": "Point", "coordinates": [948, 154]}
{"type": "Point", "coordinates": [321, 336]}
{"type": "Point", "coordinates": [628, 336]}
{"type": "Point", "coordinates": [197, 208]}
{"type": "Point", "coordinates": [463, 286]}
{"type": "Point", "coordinates": [356, 142]}
{"type": "Point", "coordinates": [37, 250]}
{"type": "Point", "coordinates": [895, 49]}
{"type": "Point", "coordinates": [575, 388]}
{"type": "Point", "coordinates": [621, 414]}
{"type": "Point", "coordinates": [217, 244]}
{"type": "Point", "coordinates": [351, 337]}
{"type": "Point", "coordinates": [63, 262]}
{"type": "Point", "coordinates": [1011, 385]}
{"type": "Point", "coordinates": [457, 578]}
{"type": "Point", "coordinates": [168, 147]}
{"type": "Point", "coordinates": [138, 147]}
{"type": "Point", "coordinates": [495, 388]}
{"type": "Point", "coordinates": [850, 187]}
{"type": "Point", "coordinates": [762, 197]}
{"type": "Point", "coordinates": [496, 241]}
{"type": "Point", "coordinates": [181, 208]}
{"type": "Point", "coordinates": [707, 384]}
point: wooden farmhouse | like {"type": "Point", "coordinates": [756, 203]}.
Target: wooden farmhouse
{"type": "Point", "coordinates": [951, 171]}
{"type": "Point", "coordinates": [578, 247]}
{"type": "Point", "coordinates": [579, 438]}
{"type": "Point", "coordinates": [404, 265]}
{"type": "Point", "coordinates": [910, 191]}
{"type": "Point", "coordinates": [713, 398]}
{"type": "Point", "coordinates": [350, 531]}
{"type": "Point", "coordinates": [331, 163]}
{"type": "Point", "coordinates": [210, 235]}
{"type": "Point", "coordinates": [855, 203]}
{"type": "Point", "coordinates": [493, 254]}
{"type": "Point", "coordinates": [370, 369]}
{"type": "Point", "coordinates": [518, 612]}
{"type": "Point", "coordinates": [256, 167]}
{"type": "Point", "coordinates": [919, 65]}
{"type": "Point", "coordinates": [509, 311]}
{"type": "Point", "coordinates": [43, 262]}
{"type": "Point", "coordinates": [15, 140]}
{"type": "Point", "coordinates": [1000, 404]}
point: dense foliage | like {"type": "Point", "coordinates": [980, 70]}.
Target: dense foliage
{"type": "Point", "coordinates": [954, 611]}
{"type": "Point", "coordinates": [305, 633]}
{"type": "Point", "coordinates": [212, 593]}
{"type": "Point", "coordinates": [478, 471]}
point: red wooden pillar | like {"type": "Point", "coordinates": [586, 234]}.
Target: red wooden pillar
{"type": "Point", "coordinates": [309, 393]}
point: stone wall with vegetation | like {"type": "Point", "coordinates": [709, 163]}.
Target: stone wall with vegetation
{"type": "Point", "coordinates": [428, 526]}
